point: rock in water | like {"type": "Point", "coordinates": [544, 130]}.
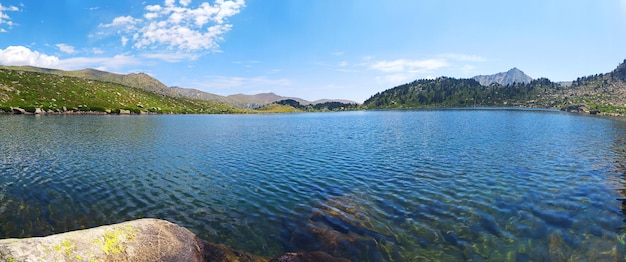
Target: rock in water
{"type": "Point", "coordinates": [137, 240]}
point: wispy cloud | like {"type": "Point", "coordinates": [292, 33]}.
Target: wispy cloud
{"type": "Point", "coordinates": [403, 70]}
{"type": "Point", "coordinates": [171, 57]}
{"type": "Point", "coordinates": [465, 58]}
{"type": "Point", "coordinates": [6, 19]}
{"type": "Point", "coordinates": [66, 48]}
{"type": "Point", "coordinates": [337, 53]}
{"type": "Point", "coordinates": [227, 82]}
{"type": "Point", "coordinates": [177, 27]}
{"type": "Point", "coordinates": [403, 65]}
{"type": "Point", "coordinates": [102, 63]}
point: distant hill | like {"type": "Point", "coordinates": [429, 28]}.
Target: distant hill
{"type": "Point", "coordinates": [137, 80]}
{"type": "Point", "coordinates": [198, 94]}
{"type": "Point", "coordinates": [250, 101]}
{"type": "Point", "coordinates": [505, 78]}
{"type": "Point", "coordinates": [38, 91]}
{"type": "Point", "coordinates": [597, 94]}
{"type": "Point", "coordinates": [452, 92]}
{"type": "Point", "coordinates": [258, 100]}
{"type": "Point", "coordinates": [151, 84]}
{"type": "Point", "coordinates": [600, 92]}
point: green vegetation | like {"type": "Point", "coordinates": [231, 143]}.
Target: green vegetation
{"type": "Point", "coordinates": [597, 94]}
{"type": "Point", "coordinates": [451, 92]}
{"type": "Point", "coordinates": [320, 107]}
{"type": "Point", "coordinates": [277, 108]}
{"type": "Point", "coordinates": [33, 90]}
{"type": "Point", "coordinates": [55, 93]}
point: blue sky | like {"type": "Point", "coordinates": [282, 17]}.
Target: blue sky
{"type": "Point", "coordinates": [347, 49]}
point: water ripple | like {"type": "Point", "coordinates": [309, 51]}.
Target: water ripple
{"type": "Point", "coordinates": [397, 186]}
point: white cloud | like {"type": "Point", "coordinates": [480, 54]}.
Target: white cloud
{"type": "Point", "coordinates": [20, 55]}
{"type": "Point", "coordinates": [402, 65]}
{"type": "Point", "coordinates": [124, 40]}
{"type": "Point", "coordinates": [97, 51]}
{"type": "Point", "coordinates": [4, 18]}
{"type": "Point", "coordinates": [66, 48]}
{"type": "Point", "coordinates": [105, 63]}
{"type": "Point", "coordinates": [178, 26]}
{"type": "Point", "coordinates": [127, 21]}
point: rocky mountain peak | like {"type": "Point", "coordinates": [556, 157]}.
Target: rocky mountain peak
{"type": "Point", "coordinates": [514, 75]}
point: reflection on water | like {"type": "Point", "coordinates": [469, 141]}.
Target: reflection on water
{"type": "Point", "coordinates": [453, 185]}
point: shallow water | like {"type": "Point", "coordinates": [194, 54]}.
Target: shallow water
{"type": "Point", "coordinates": [485, 185]}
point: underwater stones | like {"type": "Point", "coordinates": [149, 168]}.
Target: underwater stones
{"type": "Point", "coordinates": [342, 228]}
{"type": "Point", "coordinates": [307, 257]}
{"type": "Point", "coordinates": [556, 247]}
{"type": "Point", "coordinates": [138, 240]}
{"type": "Point", "coordinates": [216, 252]}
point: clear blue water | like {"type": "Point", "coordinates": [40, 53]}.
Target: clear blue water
{"type": "Point", "coordinates": [453, 185]}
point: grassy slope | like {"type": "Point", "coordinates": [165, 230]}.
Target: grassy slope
{"type": "Point", "coordinates": [140, 80]}
{"type": "Point", "coordinates": [29, 89]}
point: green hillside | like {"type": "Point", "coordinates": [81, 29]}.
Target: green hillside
{"type": "Point", "coordinates": [57, 93]}
{"type": "Point", "coordinates": [137, 80]}
{"type": "Point", "coordinates": [597, 94]}
{"type": "Point", "coordinates": [452, 92]}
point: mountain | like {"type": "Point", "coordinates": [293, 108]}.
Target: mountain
{"type": "Point", "coordinates": [505, 78]}
{"type": "Point", "coordinates": [37, 90]}
{"type": "Point", "coordinates": [603, 93]}
{"type": "Point", "coordinates": [597, 94]}
{"type": "Point", "coordinates": [137, 80]}
{"type": "Point", "coordinates": [453, 92]}
{"type": "Point", "coordinates": [198, 94]}
{"type": "Point", "coordinates": [151, 84]}
{"type": "Point", "coordinates": [255, 101]}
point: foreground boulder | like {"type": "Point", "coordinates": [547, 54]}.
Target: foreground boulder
{"type": "Point", "coordinates": [138, 240]}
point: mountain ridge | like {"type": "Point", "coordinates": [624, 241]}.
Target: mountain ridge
{"type": "Point", "coordinates": [596, 94]}
{"type": "Point", "coordinates": [151, 84]}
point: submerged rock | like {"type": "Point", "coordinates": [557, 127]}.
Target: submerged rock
{"type": "Point", "coordinates": [307, 257]}
{"type": "Point", "coordinates": [344, 228]}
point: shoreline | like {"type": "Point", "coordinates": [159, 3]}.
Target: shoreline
{"type": "Point", "coordinates": [579, 109]}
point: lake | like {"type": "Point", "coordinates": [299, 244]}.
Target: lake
{"type": "Point", "coordinates": [453, 185]}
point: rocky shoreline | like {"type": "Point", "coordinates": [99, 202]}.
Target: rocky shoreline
{"type": "Point", "coordinates": [577, 108]}
{"type": "Point", "coordinates": [66, 111]}
{"type": "Point", "coordinates": [138, 240]}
